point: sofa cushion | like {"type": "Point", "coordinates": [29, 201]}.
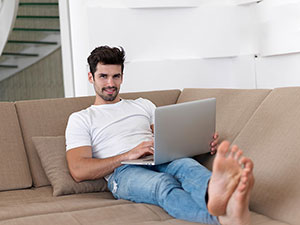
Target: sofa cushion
{"type": "Point", "coordinates": [38, 206]}
{"type": "Point", "coordinates": [49, 117]}
{"type": "Point", "coordinates": [46, 117]}
{"type": "Point", "coordinates": [52, 153]}
{"type": "Point", "coordinates": [272, 139]}
{"type": "Point", "coordinates": [14, 167]}
{"type": "Point", "coordinates": [94, 217]}
{"type": "Point", "coordinates": [234, 109]}
{"type": "Point", "coordinates": [40, 201]}
{"type": "Point", "coordinates": [44, 195]}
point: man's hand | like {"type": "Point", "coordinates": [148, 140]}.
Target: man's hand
{"type": "Point", "coordinates": [214, 144]}
{"type": "Point", "coordinates": [84, 167]}
{"type": "Point", "coordinates": [143, 149]}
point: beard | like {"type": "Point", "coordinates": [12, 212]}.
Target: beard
{"type": "Point", "coordinates": [108, 97]}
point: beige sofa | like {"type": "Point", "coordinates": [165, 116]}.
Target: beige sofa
{"type": "Point", "coordinates": [264, 123]}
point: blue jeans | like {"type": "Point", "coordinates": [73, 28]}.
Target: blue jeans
{"type": "Point", "coordinates": [179, 187]}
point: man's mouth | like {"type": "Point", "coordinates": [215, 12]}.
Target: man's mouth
{"type": "Point", "coordinates": [110, 91]}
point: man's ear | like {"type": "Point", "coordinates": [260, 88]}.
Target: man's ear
{"type": "Point", "coordinates": [90, 77]}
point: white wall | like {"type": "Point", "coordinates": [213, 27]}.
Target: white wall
{"type": "Point", "coordinates": [182, 43]}
{"type": "Point", "coordinates": [230, 72]}
{"type": "Point", "coordinates": [279, 46]}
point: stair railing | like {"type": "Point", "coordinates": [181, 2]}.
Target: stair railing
{"type": "Point", "coordinates": [8, 14]}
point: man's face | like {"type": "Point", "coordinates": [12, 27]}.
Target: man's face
{"type": "Point", "coordinates": [107, 81]}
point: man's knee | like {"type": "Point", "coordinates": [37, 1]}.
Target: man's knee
{"type": "Point", "coordinates": [184, 162]}
{"type": "Point", "coordinates": [165, 185]}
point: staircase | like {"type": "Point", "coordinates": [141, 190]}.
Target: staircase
{"type": "Point", "coordinates": [35, 35]}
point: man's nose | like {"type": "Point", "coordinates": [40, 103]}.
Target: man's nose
{"type": "Point", "coordinates": [110, 81]}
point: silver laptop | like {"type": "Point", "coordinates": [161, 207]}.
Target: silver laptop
{"type": "Point", "coordinates": [181, 130]}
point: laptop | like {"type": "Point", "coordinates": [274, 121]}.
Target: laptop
{"type": "Point", "coordinates": [181, 130]}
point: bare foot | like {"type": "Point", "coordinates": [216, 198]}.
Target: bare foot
{"type": "Point", "coordinates": [237, 211]}
{"type": "Point", "coordinates": [225, 178]}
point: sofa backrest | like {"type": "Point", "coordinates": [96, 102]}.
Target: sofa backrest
{"type": "Point", "coordinates": [14, 167]}
{"type": "Point", "coordinates": [271, 138]}
{"type": "Point", "coordinates": [159, 98]}
{"type": "Point", "coordinates": [234, 109]}
{"type": "Point", "coordinates": [49, 117]}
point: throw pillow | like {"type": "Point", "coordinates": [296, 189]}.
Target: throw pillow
{"type": "Point", "coordinates": [52, 153]}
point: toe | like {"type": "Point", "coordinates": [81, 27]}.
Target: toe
{"type": "Point", "coordinates": [238, 155]}
{"type": "Point", "coordinates": [223, 148]}
{"type": "Point", "coordinates": [233, 151]}
{"type": "Point", "coordinates": [248, 164]}
{"type": "Point", "coordinates": [242, 186]}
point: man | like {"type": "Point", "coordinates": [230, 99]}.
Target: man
{"type": "Point", "coordinates": [113, 130]}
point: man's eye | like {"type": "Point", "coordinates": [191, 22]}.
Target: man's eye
{"type": "Point", "coordinates": [103, 76]}
{"type": "Point", "coordinates": [117, 76]}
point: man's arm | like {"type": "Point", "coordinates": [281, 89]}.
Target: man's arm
{"type": "Point", "coordinates": [83, 167]}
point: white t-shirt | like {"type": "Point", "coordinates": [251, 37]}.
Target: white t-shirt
{"type": "Point", "coordinates": [111, 129]}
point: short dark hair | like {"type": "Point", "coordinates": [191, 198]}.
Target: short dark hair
{"type": "Point", "coordinates": [106, 55]}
